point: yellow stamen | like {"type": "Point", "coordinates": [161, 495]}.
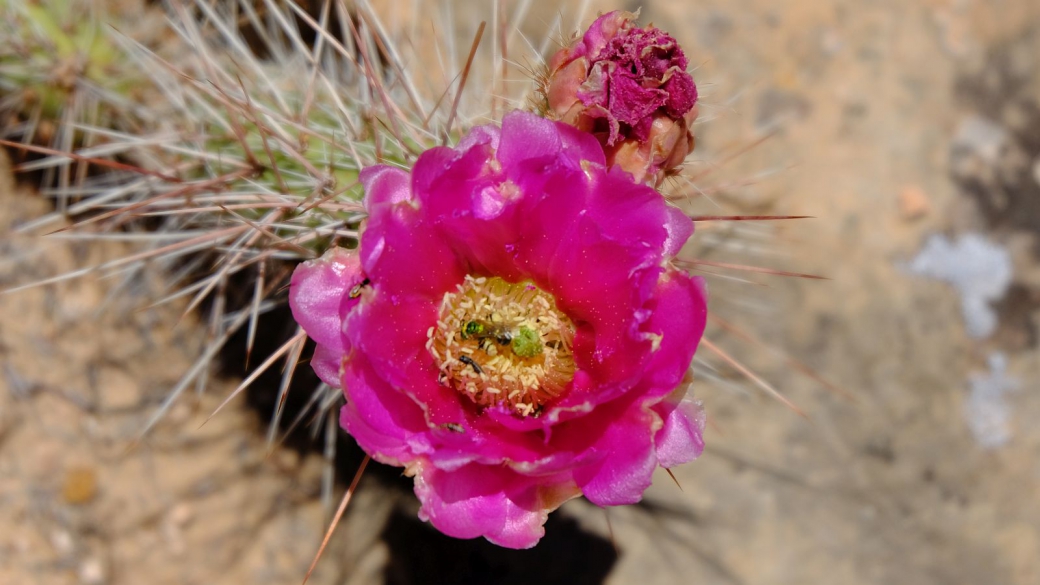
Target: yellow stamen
{"type": "Point", "coordinates": [503, 343]}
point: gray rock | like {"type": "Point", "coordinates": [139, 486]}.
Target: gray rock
{"type": "Point", "coordinates": [980, 270]}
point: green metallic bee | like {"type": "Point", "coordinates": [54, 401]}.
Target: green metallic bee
{"type": "Point", "coordinates": [524, 341]}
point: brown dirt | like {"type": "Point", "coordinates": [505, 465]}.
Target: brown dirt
{"type": "Point", "coordinates": [891, 487]}
{"type": "Point", "coordinates": [81, 501]}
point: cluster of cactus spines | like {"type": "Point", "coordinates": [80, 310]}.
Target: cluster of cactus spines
{"type": "Point", "coordinates": [284, 138]}
{"type": "Point", "coordinates": [243, 157]}
{"type": "Point", "coordinates": [63, 83]}
{"type": "Point", "coordinates": [257, 122]}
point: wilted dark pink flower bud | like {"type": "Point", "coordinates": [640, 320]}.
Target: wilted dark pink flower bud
{"type": "Point", "coordinates": [629, 87]}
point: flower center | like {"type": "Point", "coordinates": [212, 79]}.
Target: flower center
{"type": "Point", "coordinates": [499, 342]}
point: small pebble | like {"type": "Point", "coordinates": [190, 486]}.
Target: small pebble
{"type": "Point", "coordinates": [982, 137]}
{"type": "Point", "coordinates": [61, 540]}
{"type": "Point", "coordinates": [80, 485]}
{"type": "Point", "coordinates": [92, 572]}
{"type": "Point", "coordinates": [913, 203]}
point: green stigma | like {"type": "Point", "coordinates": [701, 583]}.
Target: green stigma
{"type": "Point", "coordinates": [526, 343]}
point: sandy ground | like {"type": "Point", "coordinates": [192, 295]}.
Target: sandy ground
{"type": "Point", "coordinates": [895, 487]}
{"type": "Point", "coordinates": [81, 500]}
{"type": "Point", "coordinates": [892, 123]}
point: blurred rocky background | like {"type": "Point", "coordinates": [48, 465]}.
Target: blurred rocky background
{"type": "Point", "coordinates": [909, 130]}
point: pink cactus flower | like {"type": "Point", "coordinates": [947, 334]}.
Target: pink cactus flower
{"type": "Point", "coordinates": [511, 330]}
{"type": "Point", "coordinates": [628, 86]}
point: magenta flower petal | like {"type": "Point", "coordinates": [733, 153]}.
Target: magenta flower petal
{"type": "Point", "coordinates": [541, 142]}
{"type": "Point", "coordinates": [680, 228]}
{"type": "Point", "coordinates": [622, 233]}
{"type": "Point", "coordinates": [409, 383]}
{"type": "Point", "coordinates": [398, 236]}
{"type": "Point", "coordinates": [521, 335]}
{"type": "Point", "coordinates": [505, 507]}
{"type": "Point", "coordinates": [677, 293]}
{"type": "Point", "coordinates": [530, 141]}
{"type": "Point", "coordinates": [327, 363]}
{"type": "Point", "coordinates": [469, 193]}
{"type": "Point", "coordinates": [616, 467]}
{"type": "Point", "coordinates": [316, 293]}
{"type": "Point", "coordinates": [680, 440]}
{"type": "Point", "coordinates": [386, 424]}
{"type": "Point", "coordinates": [624, 470]}
{"type": "Point", "coordinates": [319, 296]}
{"type": "Point", "coordinates": [581, 146]}
{"type": "Point", "coordinates": [384, 185]}
{"type": "Point", "coordinates": [391, 333]}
